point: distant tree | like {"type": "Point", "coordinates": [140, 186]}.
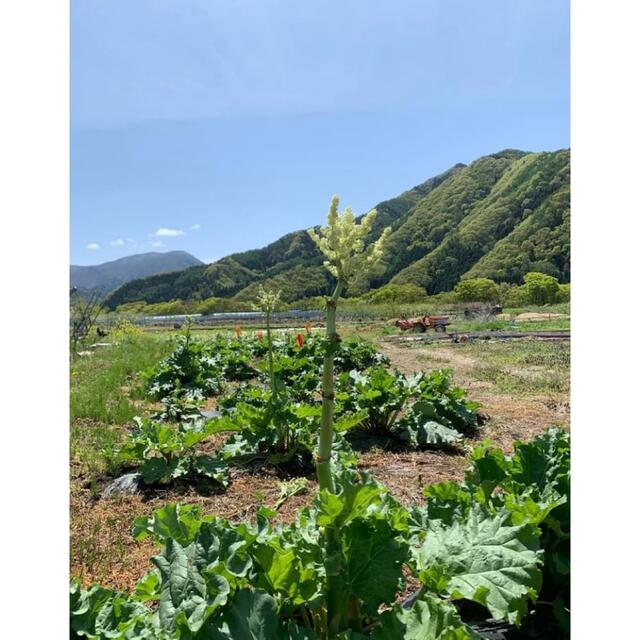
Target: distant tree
{"type": "Point", "coordinates": [514, 296]}
{"type": "Point", "coordinates": [132, 307]}
{"type": "Point", "coordinates": [210, 305]}
{"type": "Point", "coordinates": [398, 294]}
{"type": "Point", "coordinates": [478, 290]}
{"type": "Point", "coordinates": [505, 292]}
{"type": "Point", "coordinates": [82, 316]}
{"type": "Point", "coordinates": [172, 308]}
{"type": "Point", "coordinates": [540, 288]}
{"type": "Point", "coordinates": [564, 293]}
{"type": "Point", "coordinates": [395, 295]}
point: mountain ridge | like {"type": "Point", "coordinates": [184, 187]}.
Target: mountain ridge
{"type": "Point", "coordinates": [107, 276]}
{"type": "Point", "coordinates": [463, 222]}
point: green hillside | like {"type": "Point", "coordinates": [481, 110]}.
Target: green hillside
{"type": "Point", "coordinates": [528, 184]}
{"type": "Point", "coordinates": [499, 217]}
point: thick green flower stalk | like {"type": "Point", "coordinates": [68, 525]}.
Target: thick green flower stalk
{"type": "Point", "coordinates": [342, 242]}
{"type": "Point", "coordinates": [268, 302]}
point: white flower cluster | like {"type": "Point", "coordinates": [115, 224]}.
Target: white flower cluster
{"type": "Point", "coordinates": [267, 301]}
{"type": "Point", "coordinates": [342, 242]}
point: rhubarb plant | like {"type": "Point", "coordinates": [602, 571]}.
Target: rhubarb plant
{"type": "Point", "coordinates": [424, 410]}
{"type": "Point", "coordinates": [268, 302]}
{"type": "Point", "coordinates": [278, 430]}
{"type": "Point", "coordinates": [167, 451]}
{"type": "Point", "coordinates": [215, 579]}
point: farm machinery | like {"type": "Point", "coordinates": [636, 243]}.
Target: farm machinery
{"type": "Point", "coordinates": [420, 325]}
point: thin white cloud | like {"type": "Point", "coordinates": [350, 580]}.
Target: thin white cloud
{"type": "Point", "coordinates": [93, 246]}
{"type": "Point", "coordinates": [167, 233]}
{"type": "Point", "coordinates": [117, 243]}
{"type": "Point", "coordinates": [130, 240]}
{"type": "Point", "coordinates": [193, 227]}
{"type": "Point", "coordinates": [158, 243]}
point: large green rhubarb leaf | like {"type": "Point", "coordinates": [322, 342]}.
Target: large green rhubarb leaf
{"type": "Point", "coordinates": [286, 573]}
{"type": "Point", "coordinates": [252, 615]}
{"type": "Point", "coordinates": [429, 433]}
{"type": "Point", "coordinates": [373, 560]}
{"type": "Point", "coordinates": [543, 462]}
{"type": "Point", "coordinates": [213, 468]}
{"type": "Point", "coordinates": [180, 522]}
{"type": "Point", "coordinates": [429, 618]}
{"type": "Point", "coordinates": [352, 502]}
{"type": "Point", "coordinates": [186, 599]}
{"type": "Point", "coordinates": [100, 613]}
{"type": "Point", "coordinates": [484, 560]}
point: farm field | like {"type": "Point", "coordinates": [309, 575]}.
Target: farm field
{"type": "Point", "coordinates": [319, 485]}
{"type": "Point", "coordinates": [522, 387]}
{"type": "Point", "coordinates": [285, 425]}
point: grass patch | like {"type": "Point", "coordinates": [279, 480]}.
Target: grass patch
{"type": "Point", "coordinates": [508, 381]}
{"type": "Point", "coordinates": [523, 366]}
{"type": "Point", "coordinates": [103, 389]}
{"type": "Point", "coordinates": [560, 324]}
{"type": "Point", "coordinates": [104, 385]}
{"type": "Point", "coordinates": [89, 445]}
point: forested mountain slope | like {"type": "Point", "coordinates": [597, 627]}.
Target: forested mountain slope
{"type": "Point", "coordinates": [529, 183]}
{"type": "Point", "coordinates": [501, 216]}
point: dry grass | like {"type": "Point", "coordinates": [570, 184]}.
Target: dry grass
{"type": "Point", "coordinates": [103, 549]}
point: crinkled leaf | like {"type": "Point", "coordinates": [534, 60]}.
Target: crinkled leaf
{"type": "Point", "coordinates": [446, 501]}
{"type": "Point", "coordinates": [429, 434]}
{"type": "Point", "coordinates": [484, 560]}
{"type": "Point", "coordinates": [425, 410]}
{"type": "Point", "coordinates": [525, 510]}
{"type": "Point", "coordinates": [489, 467]}
{"type": "Point", "coordinates": [349, 421]}
{"type": "Point", "coordinates": [252, 615]}
{"type": "Point", "coordinates": [543, 462]}
{"type": "Point", "coordinates": [103, 613]}
{"type": "Point", "coordinates": [220, 548]}
{"type": "Point", "coordinates": [186, 599]}
{"type": "Point", "coordinates": [148, 587]}
{"type": "Point", "coordinates": [159, 470]}
{"type": "Point", "coordinates": [285, 572]}
{"type": "Point", "coordinates": [352, 502]}
{"type": "Point", "coordinates": [212, 467]}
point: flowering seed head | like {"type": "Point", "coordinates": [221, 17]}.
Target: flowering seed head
{"type": "Point", "coordinates": [342, 242]}
{"type": "Point", "coordinates": [267, 301]}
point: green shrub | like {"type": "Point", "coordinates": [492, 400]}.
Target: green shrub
{"type": "Point", "coordinates": [564, 293]}
{"type": "Point", "coordinates": [477, 290]}
{"type": "Point", "coordinates": [394, 294]}
{"type": "Point", "coordinates": [540, 288]}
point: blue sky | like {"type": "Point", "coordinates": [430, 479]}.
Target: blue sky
{"type": "Point", "coordinates": [218, 126]}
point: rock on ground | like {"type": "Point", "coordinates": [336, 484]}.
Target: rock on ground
{"type": "Point", "coordinates": [128, 484]}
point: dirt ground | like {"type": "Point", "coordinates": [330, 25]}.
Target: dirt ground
{"type": "Point", "coordinates": [103, 549]}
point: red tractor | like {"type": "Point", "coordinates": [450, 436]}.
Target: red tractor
{"type": "Point", "coordinates": [420, 325]}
